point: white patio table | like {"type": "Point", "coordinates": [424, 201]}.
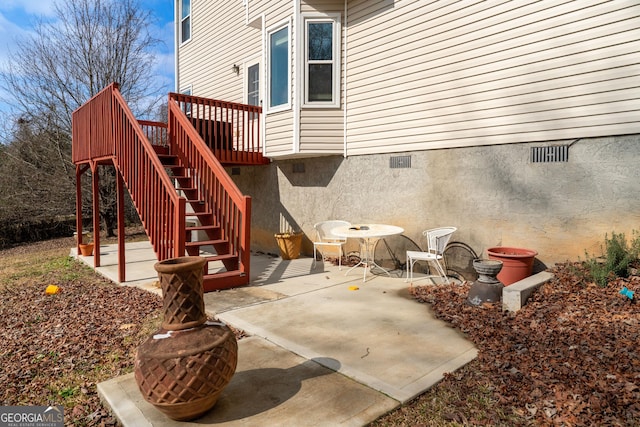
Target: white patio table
{"type": "Point", "coordinates": [368, 234]}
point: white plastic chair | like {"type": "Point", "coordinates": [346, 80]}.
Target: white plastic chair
{"type": "Point", "coordinates": [324, 237]}
{"type": "Point", "coordinates": [437, 239]}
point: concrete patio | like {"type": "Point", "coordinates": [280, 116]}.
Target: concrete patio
{"type": "Point", "coordinates": [320, 353]}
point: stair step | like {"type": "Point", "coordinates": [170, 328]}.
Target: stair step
{"type": "Point", "coordinates": [197, 244]}
{"type": "Point", "coordinates": [203, 213]}
{"type": "Point", "coordinates": [224, 280]}
{"type": "Point", "coordinates": [202, 227]}
{"type": "Point", "coordinates": [172, 166]}
{"type": "Point", "coordinates": [168, 160]}
{"type": "Point", "coordinates": [161, 150]}
{"type": "Point", "coordinates": [222, 257]}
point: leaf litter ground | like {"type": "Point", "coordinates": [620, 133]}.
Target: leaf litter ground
{"type": "Point", "coordinates": [570, 357]}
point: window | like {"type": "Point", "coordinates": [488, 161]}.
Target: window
{"type": "Point", "coordinates": [253, 84]}
{"type": "Point", "coordinates": [185, 20]}
{"type": "Point", "coordinates": [278, 56]}
{"type": "Point", "coordinates": [322, 60]}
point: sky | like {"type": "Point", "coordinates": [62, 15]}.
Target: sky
{"type": "Point", "coordinates": [17, 17]}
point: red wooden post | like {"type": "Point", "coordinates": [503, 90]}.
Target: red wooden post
{"type": "Point", "coordinates": [121, 236]}
{"type": "Point", "coordinates": [79, 173]}
{"type": "Point", "coordinates": [245, 229]}
{"type": "Point", "coordinates": [95, 189]}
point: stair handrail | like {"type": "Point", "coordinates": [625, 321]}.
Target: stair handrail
{"type": "Point", "coordinates": [161, 208]}
{"type": "Point", "coordinates": [104, 128]}
{"type": "Point", "coordinates": [232, 209]}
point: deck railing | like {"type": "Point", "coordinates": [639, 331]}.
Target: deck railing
{"type": "Point", "coordinates": [105, 127]}
{"type": "Point", "coordinates": [231, 209]}
{"type": "Point", "coordinates": [230, 130]}
{"type": "Point", "coordinates": [156, 132]}
{"type": "Point", "coordinates": [91, 127]}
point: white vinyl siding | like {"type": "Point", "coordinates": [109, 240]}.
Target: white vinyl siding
{"type": "Point", "coordinates": [220, 39]}
{"type": "Point", "coordinates": [322, 129]}
{"type": "Point", "coordinates": [278, 137]}
{"type": "Point", "coordinates": [437, 75]}
{"type": "Point", "coordinates": [279, 134]}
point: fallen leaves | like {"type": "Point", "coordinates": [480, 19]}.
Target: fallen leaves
{"type": "Point", "coordinates": [571, 356]}
{"type": "Point", "coordinates": [56, 347]}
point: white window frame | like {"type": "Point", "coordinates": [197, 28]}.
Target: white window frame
{"type": "Point", "coordinates": [267, 68]}
{"type": "Point", "coordinates": [335, 19]}
{"type": "Point", "coordinates": [245, 84]}
{"type": "Point", "coordinates": [182, 19]}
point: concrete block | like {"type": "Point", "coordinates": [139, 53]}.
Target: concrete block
{"type": "Point", "coordinates": [515, 296]}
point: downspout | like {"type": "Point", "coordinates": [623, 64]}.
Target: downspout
{"type": "Point", "coordinates": [344, 91]}
{"type": "Point", "coordinates": [176, 46]}
{"type": "Point", "coordinates": [294, 86]}
{"type": "Point", "coordinates": [263, 82]}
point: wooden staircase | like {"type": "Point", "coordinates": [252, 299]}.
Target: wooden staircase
{"type": "Point", "coordinates": [200, 221]}
{"type": "Point", "coordinates": [174, 173]}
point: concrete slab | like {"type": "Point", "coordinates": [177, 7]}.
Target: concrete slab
{"type": "Point", "coordinates": [140, 259]}
{"type": "Point", "coordinates": [345, 356]}
{"type": "Point", "coordinates": [272, 386]}
{"type": "Point", "coordinates": [379, 334]}
{"type": "Point", "coordinates": [515, 296]}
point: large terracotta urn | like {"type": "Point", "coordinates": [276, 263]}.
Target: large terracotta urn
{"type": "Point", "coordinates": [185, 365]}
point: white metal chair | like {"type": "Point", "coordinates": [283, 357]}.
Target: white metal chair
{"type": "Point", "coordinates": [437, 239]}
{"type": "Point", "coordinates": [325, 238]}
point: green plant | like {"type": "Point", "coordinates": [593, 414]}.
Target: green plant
{"type": "Point", "coordinates": [616, 258]}
{"type": "Point", "coordinates": [68, 392]}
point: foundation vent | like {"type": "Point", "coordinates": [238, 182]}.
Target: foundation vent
{"type": "Point", "coordinates": [550, 154]}
{"type": "Point", "coordinates": [399, 162]}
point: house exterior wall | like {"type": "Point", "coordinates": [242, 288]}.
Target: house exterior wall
{"type": "Point", "coordinates": [279, 126]}
{"type": "Point", "coordinates": [228, 32]}
{"type": "Point", "coordinates": [205, 61]}
{"type": "Point", "coordinates": [225, 33]}
{"type": "Point", "coordinates": [495, 195]}
{"type": "Point", "coordinates": [424, 75]}
{"type": "Point", "coordinates": [465, 90]}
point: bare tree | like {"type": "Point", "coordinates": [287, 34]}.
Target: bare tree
{"type": "Point", "coordinates": [91, 44]}
{"type": "Point", "coordinates": [66, 61]}
{"type": "Point", "coordinates": [36, 180]}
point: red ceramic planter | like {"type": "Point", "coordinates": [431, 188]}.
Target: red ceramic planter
{"type": "Point", "coordinates": [517, 263]}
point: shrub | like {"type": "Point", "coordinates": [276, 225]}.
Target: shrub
{"type": "Point", "coordinates": [618, 255]}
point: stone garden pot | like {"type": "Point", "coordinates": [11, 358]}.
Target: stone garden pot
{"type": "Point", "coordinates": [487, 289]}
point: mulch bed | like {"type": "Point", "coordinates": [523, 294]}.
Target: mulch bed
{"type": "Point", "coordinates": [570, 357]}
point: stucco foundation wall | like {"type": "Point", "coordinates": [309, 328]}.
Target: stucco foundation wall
{"type": "Point", "coordinates": [495, 195]}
